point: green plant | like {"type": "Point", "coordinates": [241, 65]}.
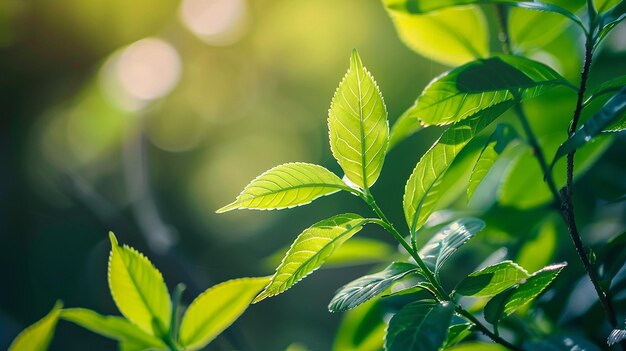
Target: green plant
{"type": "Point", "coordinates": [483, 96]}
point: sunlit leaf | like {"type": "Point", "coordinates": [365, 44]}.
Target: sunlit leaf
{"type": "Point", "coordinates": [463, 91]}
{"type": "Point", "coordinates": [562, 343]}
{"type": "Point", "coordinates": [448, 240]}
{"type": "Point", "coordinates": [365, 288]}
{"type": "Point", "coordinates": [216, 309]}
{"type": "Point", "coordinates": [138, 289]}
{"type": "Point", "coordinates": [451, 36]}
{"type": "Point", "coordinates": [421, 325]}
{"type": "Point", "coordinates": [358, 126]}
{"type": "Point", "coordinates": [310, 250]}
{"type": "Point", "coordinates": [478, 346]}
{"type": "Point", "coordinates": [113, 327]}
{"type": "Point", "coordinates": [498, 141]}
{"type": "Point", "coordinates": [593, 126]}
{"type": "Point", "coordinates": [492, 280]}
{"type": "Point", "coordinates": [403, 128]}
{"type": "Point", "coordinates": [362, 329]}
{"type": "Point", "coordinates": [287, 185]}
{"type": "Point", "coordinates": [421, 192]}
{"type": "Point", "coordinates": [37, 337]}
{"type": "Point", "coordinates": [509, 301]}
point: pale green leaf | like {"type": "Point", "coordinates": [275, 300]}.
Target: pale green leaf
{"type": "Point", "coordinates": [498, 141]}
{"type": "Point", "coordinates": [216, 309]}
{"type": "Point", "coordinates": [287, 185]}
{"type": "Point", "coordinates": [358, 126]}
{"type": "Point", "coordinates": [362, 329]}
{"type": "Point", "coordinates": [421, 192]}
{"type": "Point", "coordinates": [451, 36]}
{"type": "Point", "coordinates": [138, 289]}
{"type": "Point", "coordinates": [609, 113]}
{"type": "Point", "coordinates": [37, 337]}
{"type": "Point", "coordinates": [478, 346]}
{"type": "Point", "coordinates": [509, 301]}
{"type": "Point", "coordinates": [112, 327]}
{"type": "Point", "coordinates": [404, 127]}
{"type": "Point", "coordinates": [492, 280]}
{"type": "Point", "coordinates": [421, 325]}
{"type": "Point", "coordinates": [448, 240]}
{"type": "Point", "coordinates": [466, 90]}
{"type": "Point", "coordinates": [367, 287]}
{"type": "Point", "coordinates": [310, 250]}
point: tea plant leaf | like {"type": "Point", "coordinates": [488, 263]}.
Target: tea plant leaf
{"type": "Point", "coordinates": [138, 289]}
{"type": "Point", "coordinates": [562, 343]}
{"type": "Point", "coordinates": [592, 127]}
{"type": "Point", "coordinates": [358, 126]}
{"type": "Point", "coordinates": [310, 250]}
{"type": "Point", "coordinates": [468, 89]}
{"type": "Point", "coordinates": [609, 86]}
{"type": "Point", "coordinates": [365, 288]}
{"type": "Point", "coordinates": [611, 18]}
{"type": "Point", "coordinates": [285, 186]}
{"type": "Point", "coordinates": [498, 141]}
{"type": "Point", "coordinates": [37, 337]}
{"type": "Point", "coordinates": [421, 191]}
{"type": "Point", "coordinates": [445, 243]}
{"type": "Point", "coordinates": [510, 300]}
{"type": "Point", "coordinates": [616, 336]}
{"type": "Point", "coordinates": [113, 327]}
{"type": "Point", "coordinates": [451, 36]}
{"type": "Point", "coordinates": [134, 346]}
{"type": "Point", "coordinates": [477, 346]}
{"type": "Point", "coordinates": [492, 280]}
{"type": "Point", "coordinates": [456, 334]}
{"type": "Point", "coordinates": [216, 309]}
{"type": "Point", "coordinates": [404, 127]}
{"type": "Point", "coordinates": [421, 325]}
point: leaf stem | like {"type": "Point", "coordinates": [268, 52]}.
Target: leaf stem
{"type": "Point", "coordinates": [172, 335]}
{"type": "Point", "coordinates": [486, 330]}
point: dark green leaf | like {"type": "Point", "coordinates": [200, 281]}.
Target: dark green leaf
{"type": "Point", "coordinates": [421, 325]}
{"type": "Point", "coordinates": [421, 192]}
{"type": "Point", "coordinates": [369, 286]}
{"type": "Point", "coordinates": [592, 127]}
{"type": "Point", "coordinates": [562, 343]}
{"type": "Point", "coordinates": [457, 333]}
{"type": "Point", "coordinates": [609, 86]}
{"type": "Point", "coordinates": [494, 309]}
{"type": "Point", "coordinates": [463, 91]}
{"type": "Point", "coordinates": [498, 141]}
{"type": "Point", "coordinates": [612, 18]}
{"type": "Point", "coordinates": [492, 280]}
{"type": "Point", "coordinates": [448, 240]}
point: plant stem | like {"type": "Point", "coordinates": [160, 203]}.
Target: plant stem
{"type": "Point", "coordinates": [503, 21]}
{"type": "Point", "coordinates": [172, 335]}
{"type": "Point", "coordinates": [440, 293]}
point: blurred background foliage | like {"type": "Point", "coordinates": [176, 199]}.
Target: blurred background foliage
{"type": "Point", "coordinates": [144, 117]}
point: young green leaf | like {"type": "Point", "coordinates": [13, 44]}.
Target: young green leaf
{"type": "Point", "coordinates": [509, 301]}
{"type": "Point", "coordinates": [492, 280]}
{"type": "Point", "coordinates": [287, 185]}
{"type": "Point", "coordinates": [138, 289]}
{"type": "Point", "coordinates": [37, 337]}
{"type": "Point", "coordinates": [216, 309]}
{"type": "Point", "coordinates": [498, 141]}
{"type": "Point", "coordinates": [466, 90]}
{"type": "Point", "coordinates": [310, 250]}
{"type": "Point", "coordinates": [613, 109]}
{"type": "Point", "coordinates": [358, 126]}
{"type": "Point", "coordinates": [478, 346]}
{"type": "Point", "coordinates": [365, 288]}
{"type": "Point", "coordinates": [421, 192]}
{"type": "Point", "coordinates": [562, 343]}
{"type": "Point", "coordinates": [445, 243]}
{"type": "Point", "coordinates": [135, 346]}
{"type": "Point", "coordinates": [421, 325]}
{"type": "Point", "coordinates": [112, 327]}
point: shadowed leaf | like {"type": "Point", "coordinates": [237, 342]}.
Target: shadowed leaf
{"type": "Point", "coordinates": [421, 325]}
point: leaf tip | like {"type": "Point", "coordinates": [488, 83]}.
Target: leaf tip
{"type": "Point", "coordinates": [355, 60]}
{"type": "Point", "coordinates": [229, 207]}
{"type": "Point", "coordinates": [113, 239]}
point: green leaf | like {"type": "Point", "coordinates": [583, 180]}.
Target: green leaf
{"type": "Point", "coordinates": [367, 287]}
{"type": "Point", "coordinates": [404, 127]}
{"type": "Point", "coordinates": [612, 17]}
{"type": "Point", "coordinates": [421, 192]}
{"type": "Point", "coordinates": [138, 289]}
{"type": "Point", "coordinates": [562, 343]}
{"type": "Point", "coordinates": [112, 327]}
{"type": "Point", "coordinates": [421, 325]}
{"type": "Point", "coordinates": [478, 346]}
{"type": "Point", "coordinates": [492, 280]}
{"type": "Point", "coordinates": [362, 329]}
{"type": "Point", "coordinates": [508, 301]}
{"type": "Point", "coordinates": [286, 186]}
{"type": "Point", "coordinates": [358, 126]}
{"type": "Point", "coordinates": [456, 334]}
{"type": "Point", "coordinates": [357, 251]}
{"type": "Point", "coordinates": [592, 127]}
{"type": "Point", "coordinates": [451, 36]}
{"type": "Point", "coordinates": [310, 250]}
{"type": "Point", "coordinates": [448, 240]}
{"type": "Point", "coordinates": [609, 86]}
{"type": "Point", "coordinates": [216, 309]}
{"type": "Point", "coordinates": [603, 5]}
{"type": "Point", "coordinates": [498, 141]}
{"type": "Point", "coordinates": [466, 90]}
{"type": "Point", "coordinates": [616, 336]}
{"type": "Point", "coordinates": [134, 346]}
{"type": "Point", "coordinates": [37, 337]}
